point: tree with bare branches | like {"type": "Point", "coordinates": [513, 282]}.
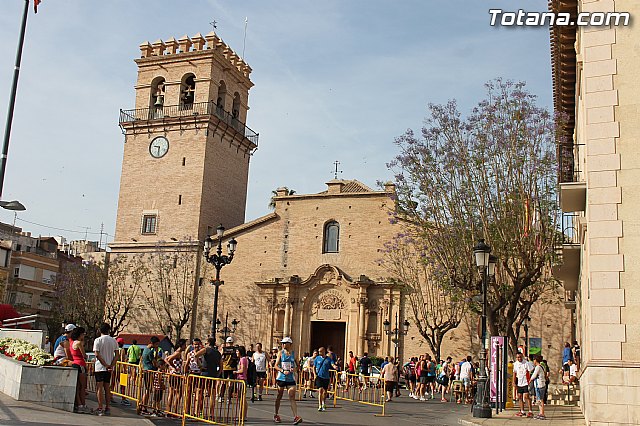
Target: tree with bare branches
{"type": "Point", "coordinates": [125, 277]}
{"type": "Point", "coordinates": [436, 305]}
{"type": "Point", "coordinates": [91, 293]}
{"type": "Point", "coordinates": [489, 175]}
{"type": "Point", "coordinates": [171, 285]}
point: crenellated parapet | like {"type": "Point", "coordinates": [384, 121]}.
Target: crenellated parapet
{"type": "Point", "coordinates": [195, 43]}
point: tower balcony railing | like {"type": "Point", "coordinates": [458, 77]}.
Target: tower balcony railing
{"type": "Point", "coordinates": [187, 110]}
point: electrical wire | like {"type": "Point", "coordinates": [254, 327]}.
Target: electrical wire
{"type": "Point", "coordinates": [63, 229]}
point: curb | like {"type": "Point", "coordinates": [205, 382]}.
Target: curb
{"type": "Point", "coordinates": [468, 423]}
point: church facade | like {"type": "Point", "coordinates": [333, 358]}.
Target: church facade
{"type": "Point", "coordinates": [311, 269]}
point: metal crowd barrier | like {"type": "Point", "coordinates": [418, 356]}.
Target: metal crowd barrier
{"type": "Point", "coordinates": [308, 383]}
{"type": "Point", "coordinates": [162, 392]}
{"type": "Point", "coordinates": [368, 390]}
{"type": "Point", "coordinates": [125, 381]}
{"type": "Point", "coordinates": [215, 401]}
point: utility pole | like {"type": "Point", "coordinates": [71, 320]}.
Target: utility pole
{"type": "Point", "coordinates": [12, 98]}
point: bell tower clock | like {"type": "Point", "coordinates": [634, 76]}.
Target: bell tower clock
{"type": "Point", "coordinates": [187, 147]}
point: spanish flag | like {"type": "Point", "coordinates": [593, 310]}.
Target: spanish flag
{"type": "Point", "coordinates": [35, 5]}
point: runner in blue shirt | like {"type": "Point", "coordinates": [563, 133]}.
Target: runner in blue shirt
{"type": "Point", "coordinates": [321, 365]}
{"type": "Point", "coordinates": [286, 366]}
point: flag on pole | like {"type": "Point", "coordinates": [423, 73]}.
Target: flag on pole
{"type": "Point", "coordinates": [35, 5]}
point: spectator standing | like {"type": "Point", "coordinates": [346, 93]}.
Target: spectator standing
{"type": "Point", "coordinates": [390, 375]}
{"type": "Point", "coordinates": [47, 345]}
{"type": "Point", "coordinates": [149, 363]}
{"type": "Point", "coordinates": [538, 377]}
{"type": "Point", "coordinates": [135, 353]}
{"type": "Point", "coordinates": [76, 347]}
{"type": "Point", "coordinates": [105, 348]}
{"type": "Point", "coordinates": [242, 372]}
{"type": "Point", "coordinates": [567, 354]}
{"type": "Point", "coordinates": [365, 368]}
{"type": "Point", "coordinates": [576, 354]}
{"type": "Point", "coordinates": [466, 376]}
{"type": "Point", "coordinates": [521, 375]}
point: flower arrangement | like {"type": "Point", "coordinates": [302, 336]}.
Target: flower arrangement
{"type": "Point", "coordinates": [24, 351]}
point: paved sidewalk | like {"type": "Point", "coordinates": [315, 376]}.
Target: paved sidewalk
{"type": "Point", "coordinates": [16, 413]}
{"type": "Point", "coordinates": [556, 415]}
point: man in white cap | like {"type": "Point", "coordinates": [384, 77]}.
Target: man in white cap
{"type": "Point", "coordinates": [229, 364]}
{"type": "Point", "coordinates": [286, 367]}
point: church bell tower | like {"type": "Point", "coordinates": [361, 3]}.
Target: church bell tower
{"type": "Point", "coordinates": [187, 147]}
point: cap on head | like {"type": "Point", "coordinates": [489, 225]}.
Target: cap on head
{"type": "Point", "coordinates": [286, 340]}
{"type": "Point", "coordinates": [70, 327]}
{"type": "Point", "coordinates": [229, 339]}
{"type": "Point", "coordinates": [120, 340]}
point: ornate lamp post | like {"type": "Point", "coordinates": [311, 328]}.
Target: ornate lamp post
{"type": "Point", "coordinates": [226, 330]}
{"type": "Point", "coordinates": [218, 260]}
{"type": "Point", "coordinates": [487, 266]}
{"type": "Point", "coordinates": [396, 332]}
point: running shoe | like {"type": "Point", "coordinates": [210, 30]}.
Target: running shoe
{"type": "Point", "coordinates": [320, 408]}
{"type": "Point", "coordinates": [520, 414]}
{"type": "Point", "coordinates": [259, 397]}
{"type": "Point", "coordinates": [422, 398]}
{"type": "Point", "coordinates": [107, 411]}
{"type": "Point", "coordinates": [529, 414]}
{"type": "Point", "coordinates": [276, 419]}
{"type": "Point", "coordinates": [99, 412]}
{"type": "Point", "coordinates": [297, 420]}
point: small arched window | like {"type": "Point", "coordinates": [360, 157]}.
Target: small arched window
{"type": "Point", "coordinates": [221, 99]}
{"type": "Point", "coordinates": [331, 237]}
{"type": "Point", "coordinates": [187, 91]}
{"type": "Point", "coordinates": [156, 100]}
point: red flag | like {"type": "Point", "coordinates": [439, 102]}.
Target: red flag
{"type": "Point", "coordinates": [35, 5]}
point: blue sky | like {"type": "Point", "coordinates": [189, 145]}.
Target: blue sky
{"type": "Point", "coordinates": [334, 80]}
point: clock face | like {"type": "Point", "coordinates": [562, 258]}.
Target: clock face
{"type": "Point", "coordinates": [159, 147]}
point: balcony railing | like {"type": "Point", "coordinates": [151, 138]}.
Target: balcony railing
{"type": "Point", "coordinates": [570, 229]}
{"type": "Point", "coordinates": [567, 168]}
{"type": "Point", "coordinates": [185, 111]}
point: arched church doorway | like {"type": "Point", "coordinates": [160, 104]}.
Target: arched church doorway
{"type": "Point", "coordinates": [329, 333]}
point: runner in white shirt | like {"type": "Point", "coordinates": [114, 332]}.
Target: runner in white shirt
{"type": "Point", "coordinates": [466, 375]}
{"type": "Point", "coordinates": [260, 360]}
{"type": "Point", "coordinates": [521, 384]}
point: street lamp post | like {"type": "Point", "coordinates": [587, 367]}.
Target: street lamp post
{"type": "Point", "coordinates": [226, 330]}
{"type": "Point", "coordinates": [15, 206]}
{"type": "Point", "coordinates": [396, 332]}
{"type": "Point", "coordinates": [218, 260]}
{"type": "Point", "coordinates": [487, 264]}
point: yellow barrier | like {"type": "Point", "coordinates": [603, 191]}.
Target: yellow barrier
{"type": "Point", "coordinates": [125, 381]}
{"type": "Point", "coordinates": [215, 401]}
{"type": "Point", "coordinates": [162, 392]}
{"type": "Point", "coordinates": [307, 383]}
{"type": "Point", "coordinates": [367, 390]}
